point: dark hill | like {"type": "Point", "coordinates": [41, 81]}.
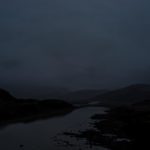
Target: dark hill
{"type": "Point", "coordinates": [16, 110]}
{"type": "Point", "coordinates": [125, 96]}
{"type": "Point", "coordinates": [5, 96]}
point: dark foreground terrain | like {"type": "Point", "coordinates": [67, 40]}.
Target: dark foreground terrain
{"type": "Point", "coordinates": [124, 127]}
{"type": "Point", "coordinates": [24, 110]}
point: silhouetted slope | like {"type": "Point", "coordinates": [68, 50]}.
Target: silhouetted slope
{"type": "Point", "coordinates": [127, 95]}
{"type": "Point", "coordinates": [19, 109]}
{"type": "Point", "coordinates": [5, 96]}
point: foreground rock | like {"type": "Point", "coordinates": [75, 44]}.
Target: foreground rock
{"type": "Point", "coordinates": [16, 110]}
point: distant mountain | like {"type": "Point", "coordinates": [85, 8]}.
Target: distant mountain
{"type": "Point", "coordinates": [83, 96]}
{"type": "Point", "coordinates": [125, 96]}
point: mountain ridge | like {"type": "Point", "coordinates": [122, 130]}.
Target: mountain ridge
{"type": "Point", "coordinates": [125, 96]}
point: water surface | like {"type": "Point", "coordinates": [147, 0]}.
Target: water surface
{"type": "Point", "coordinates": [47, 134]}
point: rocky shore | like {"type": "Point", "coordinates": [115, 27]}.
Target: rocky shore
{"type": "Point", "coordinates": [122, 128]}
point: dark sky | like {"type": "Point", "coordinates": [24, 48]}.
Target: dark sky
{"type": "Point", "coordinates": [74, 43]}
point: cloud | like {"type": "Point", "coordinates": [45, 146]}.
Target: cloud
{"type": "Point", "coordinates": [10, 64]}
{"type": "Point", "coordinates": [75, 43]}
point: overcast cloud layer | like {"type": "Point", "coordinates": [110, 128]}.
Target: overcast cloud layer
{"type": "Point", "coordinates": [74, 43]}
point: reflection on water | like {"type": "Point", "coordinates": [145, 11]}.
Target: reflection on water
{"type": "Point", "coordinates": [47, 134]}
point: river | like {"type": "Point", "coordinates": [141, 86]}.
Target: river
{"type": "Point", "coordinates": [48, 134]}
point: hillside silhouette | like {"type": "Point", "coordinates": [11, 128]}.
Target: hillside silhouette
{"type": "Point", "coordinates": [14, 110]}
{"type": "Point", "coordinates": [124, 96]}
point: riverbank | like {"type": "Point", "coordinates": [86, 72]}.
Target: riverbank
{"type": "Point", "coordinates": [24, 110]}
{"type": "Point", "coordinates": [122, 128]}
{"type": "Point", "coordinates": [28, 110]}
